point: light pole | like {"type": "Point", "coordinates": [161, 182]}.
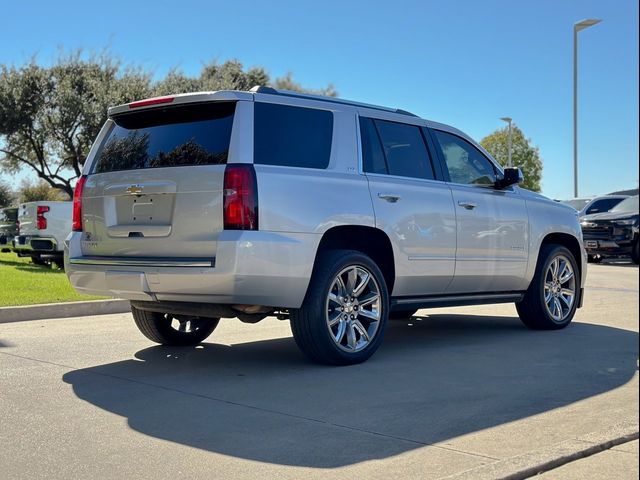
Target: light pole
{"type": "Point", "coordinates": [508, 120]}
{"type": "Point", "coordinates": [590, 22]}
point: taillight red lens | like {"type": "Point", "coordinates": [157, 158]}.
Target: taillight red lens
{"type": "Point", "coordinates": [240, 197]}
{"type": "Point", "coordinates": [77, 204]}
{"type": "Point", "coordinates": [151, 101]}
{"type": "Point", "coordinates": [41, 222]}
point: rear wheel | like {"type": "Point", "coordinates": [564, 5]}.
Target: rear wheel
{"type": "Point", "coordinates": [552, 298]}
{"type": "Point", "coordinates": [175, 330]}
{"type": "Point", "coordinates": [343, 316]}
{"type": "Point", "coordinates": [37, 260]}
{"type": "Point", "coordinates": [635, 252]}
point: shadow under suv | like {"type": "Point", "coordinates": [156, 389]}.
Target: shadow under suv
{"type": "Point", "coordinates": [332, 214]}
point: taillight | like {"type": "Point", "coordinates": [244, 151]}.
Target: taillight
{"type": "Point", "coordinates": [151, 101]}
{"type": "Point", "coordinates": [77, 204]}
{"type": "Point", "coordinates": [41, 222]}
{"type": "Point", "coordinates": [240, 197]}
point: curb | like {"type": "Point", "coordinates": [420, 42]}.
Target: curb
{"type": "Point", "coordinates": [63, 310]}
{"type": "Point", "coordinates": [534, 463]}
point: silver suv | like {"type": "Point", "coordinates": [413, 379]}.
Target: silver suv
{"type": "Point", "coordinates": [333, 214]}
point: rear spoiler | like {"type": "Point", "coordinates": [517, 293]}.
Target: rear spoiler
{"type": "Point", "coordinates": [184, 98]}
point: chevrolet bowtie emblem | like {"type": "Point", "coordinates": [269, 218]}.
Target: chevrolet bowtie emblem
{"type": "Point", "coordinates": [135, 189]}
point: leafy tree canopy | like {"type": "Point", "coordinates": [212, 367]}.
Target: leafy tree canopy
{"type": "Point", "coordinates": [38, 191]}
{"type": "Point", "coordinates": [6, 195]}
{"type": "Point", "coordinates": [49, 116]}
{"type": "Point", "coordinates": [524, 155]}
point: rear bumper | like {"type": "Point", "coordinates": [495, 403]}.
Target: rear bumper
{"type": "Point", "coordinates": [34, 244]}
{"type": "Point", "coordinates": [256, 268]}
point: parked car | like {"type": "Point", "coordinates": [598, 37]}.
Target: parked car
{"type": "Point", "coordinates": [614, 233]}
{"type": "Point", "coordinates": [8, 227]}
{"type": "Point", "coordinates": [329, 213]}
{"type": "Point", "coordinates": [43, 228]}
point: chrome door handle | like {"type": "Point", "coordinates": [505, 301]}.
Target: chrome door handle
{"type": "Point", "coordinates": [467, 205]}
{"type": "Point", "coordinates": [389, 197]}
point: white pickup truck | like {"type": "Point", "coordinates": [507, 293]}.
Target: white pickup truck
{"type": "Point", "coordinates": [43, 227]}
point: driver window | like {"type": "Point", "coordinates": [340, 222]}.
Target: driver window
{"type": "Point", "coordinates": [466, 164]}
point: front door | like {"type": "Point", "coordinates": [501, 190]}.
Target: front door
{"type": "Point", "coordinates": [492, 225]}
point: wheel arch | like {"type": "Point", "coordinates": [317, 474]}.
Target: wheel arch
{"type": "Point", "coordinates": [371, 241]}
{"type": "Point", "coordinates": [568, 241]}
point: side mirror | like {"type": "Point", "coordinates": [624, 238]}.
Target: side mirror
{"type": "Point", "coordinates": [512, 176]}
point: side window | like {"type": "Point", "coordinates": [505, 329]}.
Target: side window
{"type": "Point", "coordinates": [373, 160]}
{"type": "Point", "coordinates": [292, 136]}
{"type": "Point", "coordinates": [395, 149]}
{"type": "Point", "coordinates": [466, 164]}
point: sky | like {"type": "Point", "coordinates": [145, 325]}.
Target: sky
{"type": "Point", "coordinates": [465, 63]}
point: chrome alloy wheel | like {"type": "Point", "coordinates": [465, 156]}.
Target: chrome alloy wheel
{"type": "Point", "coordinates": [353, 308]}
{"type": "Point", "coordinates": [559, 288]}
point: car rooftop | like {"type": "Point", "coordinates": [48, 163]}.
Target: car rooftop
{"type": "Point", "coordinates": [244, 95]}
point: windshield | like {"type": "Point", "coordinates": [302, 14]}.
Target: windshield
{"type": "Point", "coordinates": [630, 205]}
{"type": "Point", "coordinates": [577, 203]}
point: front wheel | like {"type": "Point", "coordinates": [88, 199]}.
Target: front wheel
{"type": "Point", "coordinates": [594, 258]}
{"type": "Point", "coordinates": [552, 298]}
{"type": "Point", "coordinates": [344, 314]}
{"type": "Point", "coordinates": [173, 330]}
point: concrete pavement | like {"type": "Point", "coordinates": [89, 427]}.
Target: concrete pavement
{"type": "Point", "coordinates": [448, 392]}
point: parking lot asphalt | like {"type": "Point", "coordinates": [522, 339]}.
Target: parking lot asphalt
{"type": "Point", "coordinates": [450, 391]}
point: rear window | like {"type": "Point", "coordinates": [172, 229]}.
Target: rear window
{"type": "Point", "coordinates": [292, 136]}
{"type": "Point", "coordinates": [168, 137]}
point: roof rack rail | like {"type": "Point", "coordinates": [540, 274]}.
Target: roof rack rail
{"type": "Point", "coordinates": [289, 93]}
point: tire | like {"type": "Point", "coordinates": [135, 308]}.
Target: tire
{"type": "Point", "coordinates": [330, 327]}
{"type": "Point", "coordinates": [533, 309]}
{"type": "Point", "coordinates": [38, 261]}
{"type": "Point", "coordinates": [635, 252]}
{"type": "Point", "coordinates": [158, 327]}
{"type": "Point", "coordinates": [402, 314]}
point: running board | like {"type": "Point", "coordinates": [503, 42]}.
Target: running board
{"type": "Point", "coordinates": [435, 301]}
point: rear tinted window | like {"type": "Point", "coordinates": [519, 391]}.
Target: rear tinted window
{"type": "Point", "coordinates": [292, 136]}
{"type": "Point", "coordinates": [394, 149]}
{"type": "Point", "coordinates": [168, 137]}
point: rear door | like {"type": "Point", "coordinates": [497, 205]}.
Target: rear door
{"type": "Point", "coordinates": [411, 205]}
{"type": "Point", "coordinates": [493, 227]}
{"type": "Point", "coordinates": [155, 186]}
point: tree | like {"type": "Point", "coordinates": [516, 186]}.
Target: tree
{"type": "Point", "coordinates": [524, 155]}
{"type": "Point", "coordinates": [35, 192]}
{"type": "Point", "coordinates": [6, 195]}
{"type": "Point", "coordinates": [49, 116]}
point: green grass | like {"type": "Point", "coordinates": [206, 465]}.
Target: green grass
{"type": "Point", "coordinates": [23, 283]}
